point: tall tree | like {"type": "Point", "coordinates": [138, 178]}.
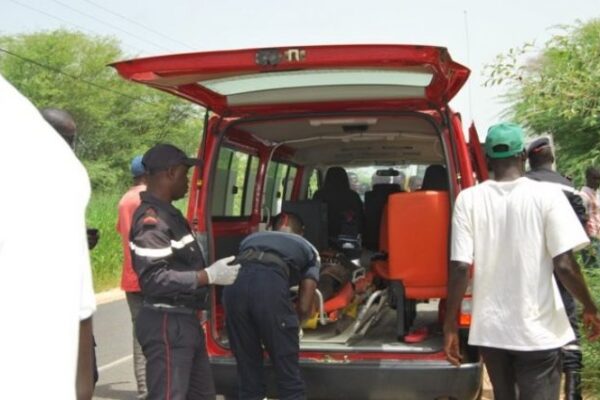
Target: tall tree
{"type": "Point", "coordinates": [116, 119]}
{"type": "Point", "coordinates": [557, 91]}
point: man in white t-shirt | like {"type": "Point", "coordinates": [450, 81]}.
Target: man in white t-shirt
{"type": "Point", "coordinates": [46, 292]}
{"type": "Point", "coordinates": [516, 232]}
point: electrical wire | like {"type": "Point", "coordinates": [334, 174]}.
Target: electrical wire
{"type": "Point", "coordinates": [138, 24]}
{"type": "Point", "coordinates": [110, 25]}
{"type": "Point", "coordinates": [65, 21]}
{"type": "Point", "coordinates": [74, 77]}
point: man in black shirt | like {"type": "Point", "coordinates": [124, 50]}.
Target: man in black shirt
{"type": "Point", "coordinates": [259, 310]}
{"type": "Point", "coordinates": [541, 158]}
{"type": "Point", "coordinates": [174, 282]}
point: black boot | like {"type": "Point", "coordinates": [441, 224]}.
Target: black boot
{"type": "Point", "coordinates": [572, 385]}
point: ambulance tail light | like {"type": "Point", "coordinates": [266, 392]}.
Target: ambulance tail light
{"type": "Point", "coordinates": [466, 307]}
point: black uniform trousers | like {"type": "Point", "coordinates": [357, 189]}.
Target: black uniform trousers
{"type": "Point", "coordinates": [523, 375]}
{"type": "Point", "coordinates": [259, 312]}
{"type": "Point", "coordinates": [177, 366]}
{"type": "Point", "coordinates": [571, 353]}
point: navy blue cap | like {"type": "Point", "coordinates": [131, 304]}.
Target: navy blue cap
{"type": "Point", "coordinates": [163, 156]}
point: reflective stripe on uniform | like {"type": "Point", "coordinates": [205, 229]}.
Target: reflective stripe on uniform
{"type": "Point", "coordinates": [153, 253]}
{"type": "Point", "coordinates": [181, 243]}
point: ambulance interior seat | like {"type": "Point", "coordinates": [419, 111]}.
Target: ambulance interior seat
{"type": "Point", "coordinates": [314, 216]}
{"type": "Point", "coordinates": [435, 178]}
{"type": "Point", "coordinates": [343, 205]}
{"type": "Point", "coordinates": [375, 200]}
{"type": "Point", "coordinates": [412, 225]}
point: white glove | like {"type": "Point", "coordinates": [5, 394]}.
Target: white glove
{"type": "Point", "coordinates": [221, 273]}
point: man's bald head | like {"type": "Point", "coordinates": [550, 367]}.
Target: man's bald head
{"type": "Point", "coordinates": [62, 122]}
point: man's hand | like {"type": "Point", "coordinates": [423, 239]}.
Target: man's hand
{"type": "Point", "coordinates": [591, 324]}
{"type": "Point", "coordinates": [452, 347]}
{"type": "Point", "coordinates": [458, 281]}
{"type": "Point", "coordinates": [221, 273]}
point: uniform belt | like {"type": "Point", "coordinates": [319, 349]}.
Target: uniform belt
{"type": "Point", "coordinates": [264, 258]}
{"type": "Point", "coordinates": [170, 308]}
{"type": "Point", "coordinates": [189, 301]}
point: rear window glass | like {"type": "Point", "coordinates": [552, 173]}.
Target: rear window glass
{"type": "Point", "coordinates": [234, 184]}
{"type": "Point", "coordinates": [313, 78]}
{"type": "Point", "coordinates": [409, 177]}
{"type": "Point", "coordinates": [321, 85]}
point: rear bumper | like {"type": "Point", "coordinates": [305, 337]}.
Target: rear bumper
{"type": "Point", "coordinates": [379, 380]}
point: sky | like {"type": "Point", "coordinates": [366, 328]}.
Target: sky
{"type": "Point", "coordinates": [474, 31]}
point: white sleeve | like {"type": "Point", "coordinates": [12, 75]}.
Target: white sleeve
{"type": "Point", "coordinates": [562, 229]}
{"type": "Point", "coordinates": [461, 247]}
{"type": "Point", "coordinates": [87, 300]}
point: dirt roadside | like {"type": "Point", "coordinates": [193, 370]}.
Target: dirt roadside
{"type": "Point", "coordinates": [109, 296]}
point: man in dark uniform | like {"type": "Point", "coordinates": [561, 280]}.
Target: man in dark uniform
{"type": "Point", "coordinates": [541, 158]}
{"type": "Point", "coordinates": [174, 282]}
{"type": "Point", "coordinates": [259, 310]}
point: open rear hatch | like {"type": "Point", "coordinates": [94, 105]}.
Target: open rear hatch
{"type": "Point", "coordinates": [311, 78]}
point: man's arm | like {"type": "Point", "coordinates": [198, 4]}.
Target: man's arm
{"type": "Point", "coordinates": [306, 295]}
{"type": "Point", "coordinates": [462, 249]}
{"type": "Point", "coordinates": [458, 282]}
{"type": "Point", "coordinates": [85, 371]}
{"type": "Point", "coordinates": [569, 273]}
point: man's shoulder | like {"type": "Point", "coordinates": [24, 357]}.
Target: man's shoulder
{"type": "Point", "coordinates": [147, 217]}
{"type": "Point", "coordinates": [524, 183]}
{"type": "Point", "coordinates": [549, 176]}
{"type": "Point", "coordinates": [131, 197]}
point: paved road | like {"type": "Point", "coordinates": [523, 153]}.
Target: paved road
{"type": "Point", "coordinates": [112, 329]}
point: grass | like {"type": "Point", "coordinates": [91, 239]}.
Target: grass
{"type": "Point", "coordinates": [107, 257]}
{"type": "Point", "coordinates": [591, 351]}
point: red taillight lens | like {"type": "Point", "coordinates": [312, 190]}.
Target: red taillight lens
{"type": "Point", "coordinates": [466, 307]}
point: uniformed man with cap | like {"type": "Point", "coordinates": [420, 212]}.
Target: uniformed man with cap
{"type": "Point", "coordinates": [259, 311]}
{"type": "Point", "coordinates": [174, 282]}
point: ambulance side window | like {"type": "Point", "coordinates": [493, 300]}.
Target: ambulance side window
{"type": "Point", "coordinates": [234, 183]}
{"type": "Point", "coordinates": [279, 185]}
{"type": "Point", "coordinates": [313, 184]}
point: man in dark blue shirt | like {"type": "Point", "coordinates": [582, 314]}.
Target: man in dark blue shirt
{"type": "Point", "coordinates": [259, 310]}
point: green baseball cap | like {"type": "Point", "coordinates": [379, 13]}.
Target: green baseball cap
{"type": "Point", "coordinates": [504, 140]}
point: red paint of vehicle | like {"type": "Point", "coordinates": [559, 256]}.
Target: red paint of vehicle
{"type": "Point", "coordinates": [179, 74]}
